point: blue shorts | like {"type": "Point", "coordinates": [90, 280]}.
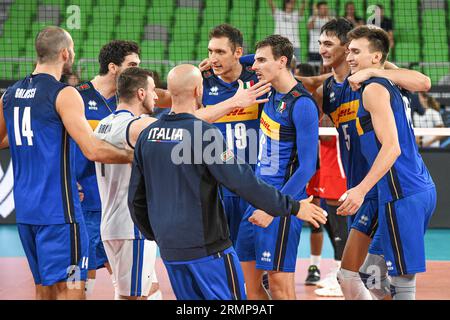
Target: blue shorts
{"type": "Point", "coordinates": [273, 248]}
{"type": "Point", "coordinates": [402, 226]}
{"type": "Point", "coordinates": [234, 209]}
{"type": "Point", "coordinates": [216, 277]}
{"type": "Point", "coordinates": [97, 254]}
{"type": "Point", "coordinates": [55, 253]}
{"type": "Point", "coordinates": [366, 221]}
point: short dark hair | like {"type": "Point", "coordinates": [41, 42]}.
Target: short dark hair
{"type": "Point", "coordinates": [233, 34]}
{"type": "Point", "coordinates": [115, 51]}
{"type": "Point", "coordinates": [339, 27]}
{"type": "Point", "coordinates": [49, 42]}
{"type": "Point", "coordinates": [306, 70]}
{"type": "Point", "coordinates": [285, 2]}
{"type": "Point", "coordinates": [130, 80]}
{"type": "Point", "coordinates": [281, 46]}
{"type": "Point", "coordinates": [377, 37]}
{"type": "Point", "coordinates": [321, 3]}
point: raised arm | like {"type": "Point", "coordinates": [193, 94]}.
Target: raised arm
{"type": "Point", "coordinates": [410, 80]}
{"type": "Point", "coordinates": [243, 98]}
{"type": "Point", "coordinates": [69, 106]}
{"type": "Point", "coordinates": [272, 6]}
{"type": "Point", "coordinates": [312, 83]}
{"type": "Point", "coordinates": [376, 99]}
{"type": "Point", "coordinates": [301, 9]}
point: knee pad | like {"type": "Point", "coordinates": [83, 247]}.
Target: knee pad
{"type": "Point", "coordinates": [374, 275]}
{"type": "Point", "coordinates": [352, 286]}
{"type": "Point", "coordinates": [403, 287]}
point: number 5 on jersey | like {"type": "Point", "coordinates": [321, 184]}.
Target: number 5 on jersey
{"type": "Point", "coordinates": [23, 128]}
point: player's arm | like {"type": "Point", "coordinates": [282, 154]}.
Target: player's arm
{"type": "Point", "coordinates": [312, 83]}
{"type": "Point", "coordinates": [240, 179]}
{"type": "Point", "coordinates": [301, 9]}
{"type": "Point", "coordinates": [136, 127]}
{"type": "Point", "coordinates": [306, 120]}
{"type": "Point", "coordinates": [376, 99]}
{"type": "Point", "coordinates": [243, 98]}
{"type": "Point", "coordinates": [70, 108]}
{"type": "Point", "coordinates": [272, 6]}
{"type": "Point", "coordinates": [164, 98]}
{"type": "Point", "coordinates": [137, 200]}
{"type": "Point", "coordinates": [3, 135]}
{"type": "Point", "coordinates": [410, 80]}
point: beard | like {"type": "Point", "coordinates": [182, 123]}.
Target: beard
{"type": "Point", "coordinates": [147, 106]}
{"type": "Point", "coordinates": [67, 67]}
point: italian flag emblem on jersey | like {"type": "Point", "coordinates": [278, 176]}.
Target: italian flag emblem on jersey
{"type": "Point", "coordinates": [249, 84]}
{"type": "Point", "coordinates": [281, 107]}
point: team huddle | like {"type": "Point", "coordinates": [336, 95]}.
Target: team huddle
{"type": "Point", "coordinates": [219, 183]}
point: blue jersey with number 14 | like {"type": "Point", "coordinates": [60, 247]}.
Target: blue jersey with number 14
{"type": "Point", "coordinates": [45, 189]}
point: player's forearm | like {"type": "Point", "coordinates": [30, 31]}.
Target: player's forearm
{"type": "Point", "coordinates": [164, 98]}
{"type": "Point", "coordinates": [312, 83]}
{"type": "Point", "coordinates": [102, 151]}
{"type": "Point", "coordinates": [410, 80]}
{"type": "Point", "coordinates": [297, 182]}
{"type": "Point", "coordinates": [216, 112]}
{"type": "Point", "coordinates": [385, 159]}
{"type": "Point", "coordinates": [241, 180]}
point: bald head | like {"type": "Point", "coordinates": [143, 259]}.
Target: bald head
{"type": "Point", "coordinates": [49, 43]}
{"type": "Point", "coordinates": [183, 80]}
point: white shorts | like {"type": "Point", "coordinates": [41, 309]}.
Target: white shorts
{"type": "Point", "coordinates": [132, 263]}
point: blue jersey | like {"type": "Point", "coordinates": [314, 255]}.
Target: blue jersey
{"type": "Point", "coordinates": [96, 108]}
{"type": "Point", "coordinates": [341, 103]}
{"type": "Point", "coordinates": [240, 127]}
{"type": "Point", "coordinates": [45, 191]}
{"type": "Point", "coordinates": [409, 174]}
{"type": "Point", "coordinates": [288, 143]}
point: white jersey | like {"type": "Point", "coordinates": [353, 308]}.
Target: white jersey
{"type": "Point", "coordinates": [114, 179]}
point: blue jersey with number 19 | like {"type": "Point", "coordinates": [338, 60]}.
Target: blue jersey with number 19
{"type": "Point", "coordinates": [45, 189]}
{"type": "Point", "coordinates": [240, 127]}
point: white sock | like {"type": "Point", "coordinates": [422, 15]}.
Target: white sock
{"type": "Point", "coordinates": [351, 285]}
{"type": "Point", "coordinates": [89, 287]}
{"type": "Point", "coordinates": [315, 261]}
{"type": "Point", "coordinates": [154, 278]}
{"type": "Point", "coordinates": [156, 296]}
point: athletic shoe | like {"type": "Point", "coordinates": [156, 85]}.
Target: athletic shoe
{"type": "Point", "coordinates": [331, 291]}
{"type": "Point", "coordinates": [328, 280]}
{"type": "Point", "coordinates": [313, 275]}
